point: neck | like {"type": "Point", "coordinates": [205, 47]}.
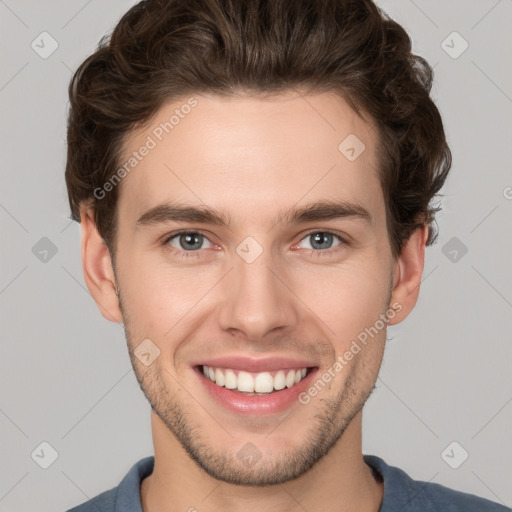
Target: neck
{"type": "Point", "coordinates": [340, 482]}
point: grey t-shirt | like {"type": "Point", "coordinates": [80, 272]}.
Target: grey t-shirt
{"type": "Point", "coordinates": [401, 493]}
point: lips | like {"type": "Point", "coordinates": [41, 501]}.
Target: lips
{"type": "Point", "coordinates": [255, 386]}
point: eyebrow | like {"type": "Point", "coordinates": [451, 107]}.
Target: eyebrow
{"type": "Point", "coordinates": [318, 211]}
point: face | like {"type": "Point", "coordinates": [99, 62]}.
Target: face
{"type": "Point", "coordinates": [271, 285]}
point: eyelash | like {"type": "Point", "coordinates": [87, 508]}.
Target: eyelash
{"type": "Point", "coordinates": [195, 254]}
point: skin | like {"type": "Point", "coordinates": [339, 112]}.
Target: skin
{"type": "Point", "coordinates": [252, 157]}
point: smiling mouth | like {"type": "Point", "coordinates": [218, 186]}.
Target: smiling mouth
{"type": "Point", "coordinates": [255, 383]}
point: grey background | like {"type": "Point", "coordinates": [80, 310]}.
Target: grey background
{"type": "Point", "coordinates": [65, 375]}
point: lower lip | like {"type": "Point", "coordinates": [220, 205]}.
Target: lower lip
{"type": "Point", "coordinates": [256, 405]}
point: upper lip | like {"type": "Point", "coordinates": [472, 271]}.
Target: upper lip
{"type": "Point", "coordinates": [256, 365]}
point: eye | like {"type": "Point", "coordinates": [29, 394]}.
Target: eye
{"type": "Point", "coordinates": [185, 242]}
{"type": "Point", "coordinates": [321, 242]}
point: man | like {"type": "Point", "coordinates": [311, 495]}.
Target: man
{"type": "Point", "coordinates": [254, 179]}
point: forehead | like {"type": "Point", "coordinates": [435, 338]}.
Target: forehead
{"type": "Point", "coordinates": [251, 155]}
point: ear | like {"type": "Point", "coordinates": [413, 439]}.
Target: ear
{"type": "Point", "coordinates": [97, 268]}
{"type": "Point", "coordinates": [407, 274]}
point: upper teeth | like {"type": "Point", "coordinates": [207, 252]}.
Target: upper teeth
{"type": "Point", "coordinates": [263, 382]}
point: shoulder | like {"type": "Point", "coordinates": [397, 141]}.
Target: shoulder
{"type": "Point", "coordinates": [403, 493]}
{"type": "Point", "coordinates": [126, 496]}
{"type": "Point", "coordinates": [104, 502]}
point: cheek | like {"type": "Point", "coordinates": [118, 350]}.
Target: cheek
{"type": "Point", "coordinates": [348, 298]}
{"type": "Point", "coordinates": [157, 296]}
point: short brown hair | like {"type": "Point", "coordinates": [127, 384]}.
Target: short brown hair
{"type": "Point", "coordinates": [162, 50]}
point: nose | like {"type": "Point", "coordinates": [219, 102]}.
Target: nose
{"type": "Point", "coordinates": [257, 299]}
